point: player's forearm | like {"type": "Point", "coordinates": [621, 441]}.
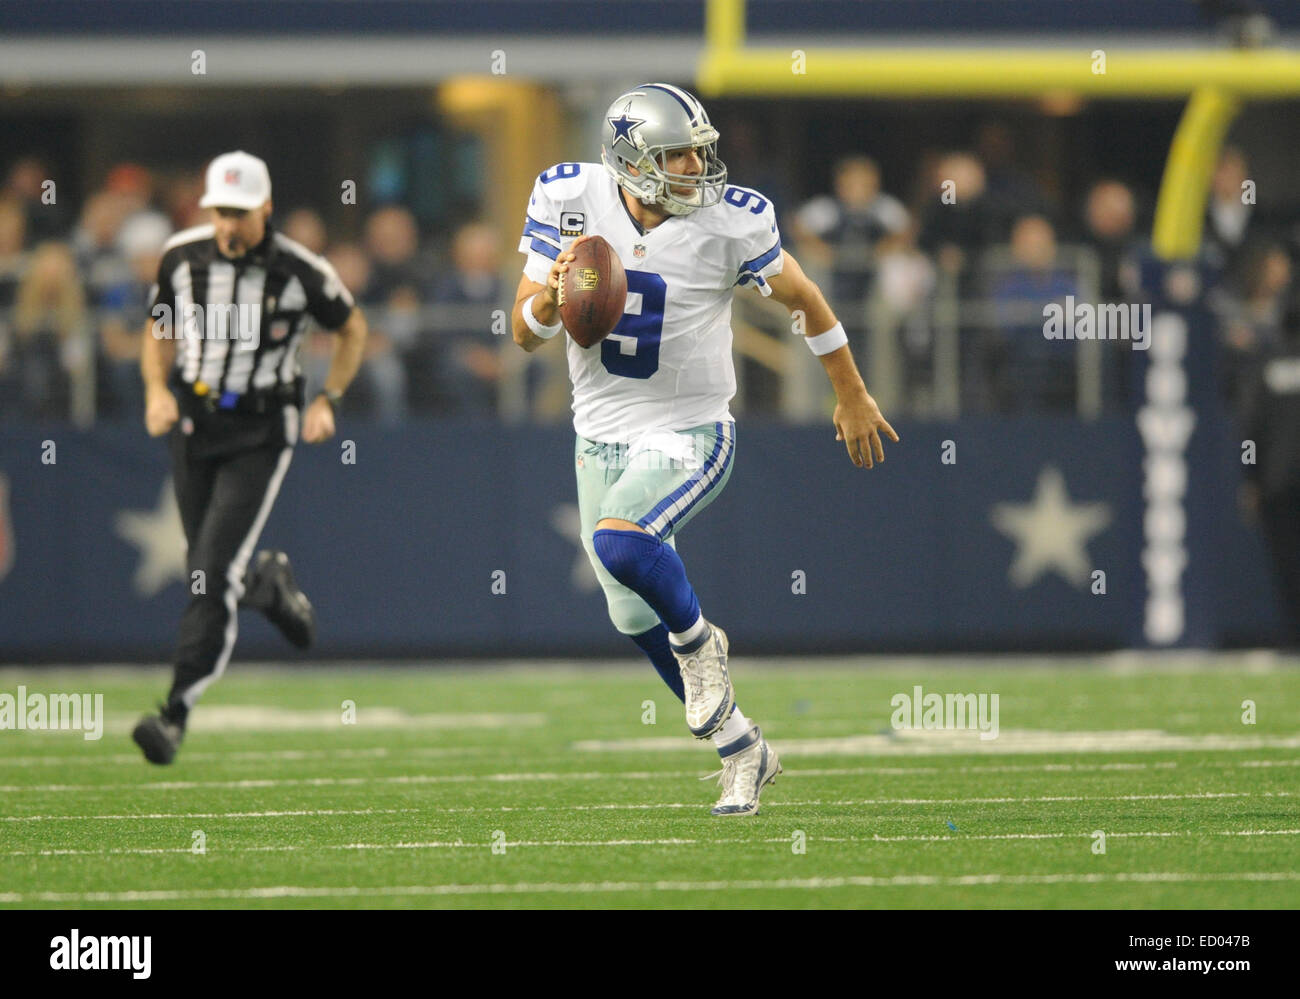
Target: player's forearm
{"type": "Point", "coordinates": [843, 373]}
{"type": "Point", "coordinates": [544, 311]}
{"type": "Point", "coordinates": [346, 361]}
{"type": "Point", "coordinates": [156, 358]}
{"type": "Point", "coordinates": [525, 337]}
{"type": "Point", "coordinates": [818, 318]}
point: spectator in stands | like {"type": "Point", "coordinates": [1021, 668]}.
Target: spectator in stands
{"type": "Point", "coordinates": [13, 238]}
{"type": "Point", "coordinates": [1110, 231]}
{"type": "Point", "coordinates": [958, 221]}
{"type": "Point", "coordinates": [48, 350]}
{"type": "Point", "coordinates": [25, 184]}
{"type": "Point", "coordinates": [392, 299]}
{"type": "Point", "coordinates": [393, 243]}
{"type": "Point", "coordinates": [1010, 191]}
{"type": "Point", "coordinates": [134, 183]}
{"type": "Point", "coordinates": [1228, 217]}
{"type": "Point", "coordinates": [99, 256]}
{"type": "Point", "coordinates": [122, 309]}
{"type": "Point", "coordinates": [306, 226]}
{"type": "Point", "coordinates": [840, 232]}
{"type": "Point", "coordinates": [1251, 318]}
{"type": "Point", "coordinates": [1270, 416]}
{"type": "Point", "coordinates": [1110, 222]}
{"type": "Point", "coordinates": [1029, 371]}
{"type": "Point", "coordinates": [353, 267]}
{"type": "Point", "coordinates": [13, 264]}
{"type": "Point", "coordinates": [396, 296]}
{"type": "Point", "coordinates": [904, 295]}
{"type": "Point", "coordinates": [466, 358]}
{"type": "Point", "coordinates": [180, 199]}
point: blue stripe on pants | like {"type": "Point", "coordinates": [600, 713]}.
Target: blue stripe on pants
{"type": "Point", "coordinates": [684, 498]}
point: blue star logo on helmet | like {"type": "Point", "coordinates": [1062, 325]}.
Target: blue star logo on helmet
{"type": "Point", "coordinates": [623, 126]}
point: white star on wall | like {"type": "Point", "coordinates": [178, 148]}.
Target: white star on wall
{"type": "Point", "coordinates": [161, 539]}
{"type": "Point", "coordinates": [566, 521]}
{"type": "Point", "coordinates": [1051, 533]}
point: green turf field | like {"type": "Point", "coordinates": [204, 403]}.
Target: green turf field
{"type": "Point", "coordinates": [590, 806]}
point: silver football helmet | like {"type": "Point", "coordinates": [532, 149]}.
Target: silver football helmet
{"type": "Point", "coordinates": [641, 127]}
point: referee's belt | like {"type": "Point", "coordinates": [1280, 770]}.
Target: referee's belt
{"type": "Point", "coordinates": [256, 401]}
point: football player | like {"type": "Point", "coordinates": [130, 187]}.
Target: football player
{"type": "Point", "coordinates": [655, 439]}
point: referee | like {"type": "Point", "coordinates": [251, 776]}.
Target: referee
{"type": "Point", "coordinates": [236, 297]}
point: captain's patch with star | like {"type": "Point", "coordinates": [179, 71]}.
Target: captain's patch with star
{"type": "Point", "coordinates": [572, 223]}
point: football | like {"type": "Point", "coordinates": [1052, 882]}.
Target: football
{"type": "Point", "coordinates": [593, 292]}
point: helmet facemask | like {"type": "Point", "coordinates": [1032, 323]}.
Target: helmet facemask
{"type": "Point", "coordinates": [707, 186]}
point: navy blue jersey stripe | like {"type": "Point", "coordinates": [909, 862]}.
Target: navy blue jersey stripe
{"type": "Point", "coordinates": [546, 249]}
{"type": "Point", "coordinates": [758, 263]}
{"type": "Point", "coordinates": [532, 228]}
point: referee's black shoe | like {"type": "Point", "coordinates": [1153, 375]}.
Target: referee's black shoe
{"type": "Point", "coordinates": [270, 587]}
{"type": "Point", "coordinates": [159, 736]}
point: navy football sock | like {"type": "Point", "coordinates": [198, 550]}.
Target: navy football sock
{"type": "Point", "coordinates": [653, 571]}
{"type": "Point", "coordinates": [654, 643]}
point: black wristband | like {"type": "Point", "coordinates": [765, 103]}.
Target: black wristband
{"type": "Point", "coordinates": [333, 398]}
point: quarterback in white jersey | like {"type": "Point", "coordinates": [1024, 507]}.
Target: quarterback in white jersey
{"type": "Point", "coordinates": [668, 365]}
{"type": "Point", "coordinates": [655, 438]}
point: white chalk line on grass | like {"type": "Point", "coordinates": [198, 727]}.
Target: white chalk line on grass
{"type": "Point", "coordinates": [262, 783]}
{"type": "Point", "coordinates": [580, 843]}
{"type": "Point", "coordinates": [190, 785]}
{"type": "Point", "coordinates": [253, 756]}
{"type": "Point", "coordinates": [259, 756]}
{"type": "Point", "coordinates": [949, 742]}
{"type": "Point", "coordinates": [650, 806]}
{"type": "Point", "coordinates": [260, 718]}
{"type": "Point", "coordinates": [294, 813]}
{"type": "Point", "coordinates": [602, 887]}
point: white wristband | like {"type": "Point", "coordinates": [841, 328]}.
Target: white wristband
{"type": "Point", "coordinates": [833, 339]}
{"type": "Point", "coordinates": [534, 324]}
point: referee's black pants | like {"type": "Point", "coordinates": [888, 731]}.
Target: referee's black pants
{"type": "Point", "coordinates": [227, 472]}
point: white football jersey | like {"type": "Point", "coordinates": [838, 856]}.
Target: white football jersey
{"type": "Point", "coordinates": [667, 365]}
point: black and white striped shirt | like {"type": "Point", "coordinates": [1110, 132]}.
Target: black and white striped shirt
{"type": "Point", "coordinates": [238, 323]}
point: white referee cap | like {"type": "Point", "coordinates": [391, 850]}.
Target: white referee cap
{"type": "Point", "coordinates": [236, 180]}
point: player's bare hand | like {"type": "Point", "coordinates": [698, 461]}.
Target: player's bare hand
{"type": "Point", "coordinates": [859, 424]}
{"type": "Point", "coordinates": [558, 268]}
{"type": "Point", "coordinates": [318, 421]}
{"type": "Point", "coordinates": [160, 411]}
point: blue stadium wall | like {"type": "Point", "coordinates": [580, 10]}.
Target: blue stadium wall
{"type": "Point", "coordinates": [401, 550]}
{"type": "Point", "coordinates": [602, 17]}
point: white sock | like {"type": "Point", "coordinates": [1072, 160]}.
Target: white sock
{"type": "Point", "coordinates": [732, 729]}
{"type": "Point", "coordinates": [690, 634]}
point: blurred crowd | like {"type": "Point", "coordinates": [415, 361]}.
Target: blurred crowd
{"type": "Point", "coordinates": [74, 299]}
{"type": "Point", "coordinates": [941, 288]}
{"type": "Point", "coordinates": [980, 246]}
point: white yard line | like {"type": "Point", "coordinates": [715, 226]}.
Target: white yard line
{"type": "Point", "coordinates": [190, 785]}
{"type": "Point", "coordinates": [263, 783]}
{"type": "Point", "coordinates": [582, 843]}
{"type": "Point", "coordinates": [398, 754]}
{"type": "Point", "coordinates": [603, 887]}
{"type": "Point", "coordinates": [965, 742]}
{"type": "Point", "coordinates": [264, 718]}
{"type": "Point", "coordinates": [253, 756]}
{"type": "Point", "coordinates": [208, 815]}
